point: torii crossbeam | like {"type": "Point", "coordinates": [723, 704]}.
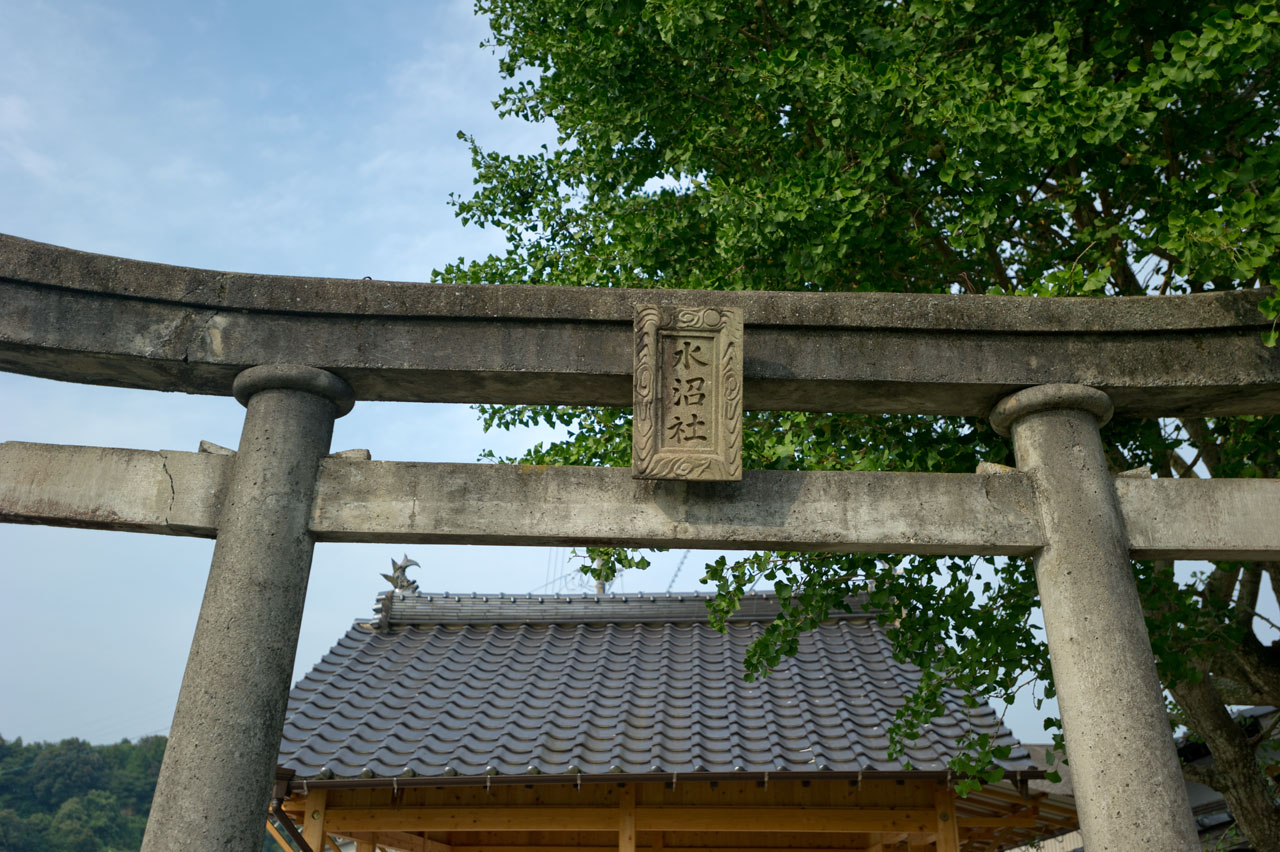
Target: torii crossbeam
{"type": "Point", "coordinates": [299, 352]}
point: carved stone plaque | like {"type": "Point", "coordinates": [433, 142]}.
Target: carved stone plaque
{"type": "Point", "coordinates": [688, 394]}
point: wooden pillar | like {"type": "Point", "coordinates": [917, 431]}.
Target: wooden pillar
{"type": "Point", "coordinates": [313, 820]}
{"type": "Point", "coordinates": [948, 831]}
{"type": "Point", "coordinates": [627, 819]}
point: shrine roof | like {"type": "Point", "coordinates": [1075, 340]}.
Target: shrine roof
{"type": "Point", "coordinates": [500, 687]}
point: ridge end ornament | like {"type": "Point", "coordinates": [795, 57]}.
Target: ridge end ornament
{"type": "Point", "coordinates": [687, 389]}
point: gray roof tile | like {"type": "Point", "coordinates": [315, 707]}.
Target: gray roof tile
{"type": "Point", "coordinates": [447, 685]}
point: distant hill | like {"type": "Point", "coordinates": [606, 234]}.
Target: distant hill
{"type": "Point", "coordinates": [76, 797]}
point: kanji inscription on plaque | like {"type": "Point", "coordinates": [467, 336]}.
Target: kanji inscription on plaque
{"type": "Point", "coordinates": [688, 393]}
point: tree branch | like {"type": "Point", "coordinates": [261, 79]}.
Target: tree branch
{"type": "Point", "coordinates": [1253, 664]}
{"type": "Point", "coordinates": [1235, 692]}
{"type": "Point", "coordinates": [1235, 772]}
{"type": "Point", "coordinates": [1221, 583]}
{"type": "Point", "coordinates": [1200, 774]}
{"type": "Point", "coordinates": [1247, 597]}
{"type": "Point", "coordinates": [1210, 450]}
{"type": "Point", "coordinates": [997, 263]}
{"type": "Point", "coordinates": [1182, 466]}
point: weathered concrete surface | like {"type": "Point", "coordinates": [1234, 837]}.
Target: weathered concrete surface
{"type": "Point", "coordinates": [1201, 518]}
{"type": "Point", "coordinates": [177, 493]}
{"type": "Point", "coordinates": [846, 512]}
{"type": "Point", "coordinates": [165, 492]}
{"type": "Point", "coordinates": [1130, 793]}
{"type": "Point", "coordinates": [82, 317]}
{"type": "Point", "coordinates": [219, 765]}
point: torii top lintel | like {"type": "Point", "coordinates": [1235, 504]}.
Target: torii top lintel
{"type": "Point", "coordinates": [82, 317]}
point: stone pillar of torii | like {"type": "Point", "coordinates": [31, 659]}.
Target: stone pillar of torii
{"type": "Point", "coordinates": [1109, 695]}
{"type": "Point", "coordinates": [299, 352]}
{"type": "Point", "coordinates": [226, 728]}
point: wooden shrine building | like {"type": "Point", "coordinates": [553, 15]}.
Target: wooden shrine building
{"type": "Point", "coordinates": [594, 723]}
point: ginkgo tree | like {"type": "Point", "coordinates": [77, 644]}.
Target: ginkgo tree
{"type": "Point", "coordinates": [1110, 149]}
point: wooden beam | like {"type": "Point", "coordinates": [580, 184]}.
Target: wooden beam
{"type": "Point", "coordinates": [314, 822]}
{"type": "Point", "coordinates": [331, 844]}
{"type": "Point", "coordinates": [403, 841]}
{"type": "Point", "coordinates": [945, 815]}
{"type": "Point", "coordinates": [764, 847]}
{"type": "Point", "coordinates": [346, 820]}
{"type": "Point", "coordinates": [627, 819]}
{"type": "Point", "coordinates": [540, 847]}
{"type": "Point", "coordinates": [801, 819]}
{"type": "Point", "coordinates": [1038, 800]}
{"type": "Point", "coordinates": [1011, 821]}
{"type": "Point", "coordinates": [648, 818]}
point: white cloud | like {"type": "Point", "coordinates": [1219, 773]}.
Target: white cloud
{"type": "Point", "coordinates": [15, 128]}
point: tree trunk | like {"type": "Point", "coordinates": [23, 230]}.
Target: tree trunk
{"type": "Point", "coordinates": [1236, 771]}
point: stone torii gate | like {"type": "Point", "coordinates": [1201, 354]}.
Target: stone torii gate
{"type": "Point", "coordinates": [298, 353]}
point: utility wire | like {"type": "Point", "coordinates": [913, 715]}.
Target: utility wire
{"type": "Point", "coordinates": [672, 584]}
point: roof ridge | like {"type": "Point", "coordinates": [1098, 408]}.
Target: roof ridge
{"type": "Point", "coordinates": [395, 608]}
{"type": "Point", "coordinates": [583, 595]}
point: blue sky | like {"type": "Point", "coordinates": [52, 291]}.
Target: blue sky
{"type": "Point", "coordinates": [304, 139]}
{"type": "Point", "coordinates": [294, 138]}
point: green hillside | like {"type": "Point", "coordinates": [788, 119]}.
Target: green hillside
{"type": "Point", "coordinates": [76, 797]}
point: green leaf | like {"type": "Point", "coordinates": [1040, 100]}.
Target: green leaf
{"type": "Point", "coordinates": [1099, 150]}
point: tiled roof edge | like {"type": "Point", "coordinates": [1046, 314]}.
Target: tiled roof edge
{"type": "Point", "coordinates": [1011, 775]}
